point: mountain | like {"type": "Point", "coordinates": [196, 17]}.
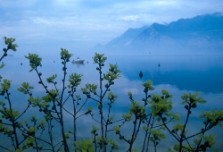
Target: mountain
{"type": "Point", "coordinates": [200, 33]}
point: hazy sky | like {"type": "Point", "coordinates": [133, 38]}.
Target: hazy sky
{"type": "Point", "coordinates": [90, 22]}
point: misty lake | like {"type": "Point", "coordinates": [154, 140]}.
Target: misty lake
{"type": "Point", "coordinates": [177, 73]}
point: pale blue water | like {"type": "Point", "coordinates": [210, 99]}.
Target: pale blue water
{"type": "Point", "coordinates": [178, 74]}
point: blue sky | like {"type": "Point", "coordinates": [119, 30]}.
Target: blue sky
{"type": "Point", "coordinates": [85, 23]}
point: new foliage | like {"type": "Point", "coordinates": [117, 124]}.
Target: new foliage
{"type": "Point", "coordinates": [148, 120]}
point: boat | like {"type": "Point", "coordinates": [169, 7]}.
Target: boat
{"type": "Point", "coordinates": [78, 61]}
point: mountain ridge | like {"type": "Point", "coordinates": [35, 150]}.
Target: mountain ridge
{"type": "Point", "coordinates": [199, 32]}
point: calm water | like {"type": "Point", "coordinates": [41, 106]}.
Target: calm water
{"type": "Point", "coordinates": [178, 74]}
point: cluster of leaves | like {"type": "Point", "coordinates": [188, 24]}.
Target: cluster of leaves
{"type": "Point", "coordinates": [148, 119]}
{"type": "Point", "coordinates": [10, 45]}
{"type": "Point", "coordinates": [98, 94]}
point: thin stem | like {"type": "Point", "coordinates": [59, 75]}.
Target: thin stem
{"type": "Point", "coordinates": [13, 121]}
{"type": "Point", "coordinates": [4, 148]}
{"type": "Point", "coordinates": [92, 116]}
{"type": "Point", "coordinates": [95, 143]}
{"type": "Point", "coordinates": [81, 107]}
{"type": "Point", "coordinates": [68, 112]}
{"type": "Point", "coordinates": [66, 148]}
{"type": "Point", "coordinates": [27, 107]}
{"type": "Point", "coordinates": [67, 98]}
{"type": "Point", "coordinates": [75, 132]}
{"type": "Point", "coordinates": [200, 141]}
{"type": "Point", "coordinates": [146, 134]}
{"type": "Point", "coordinates": [182, 136]}
{"type": "Point", "coordinates": [133, 135]}
{"type": "Point", "coordinates": [148, 139]}
{"type": "Point", "coordinates": [106, 91]}
{"type": "Point", "coordinates": [50, 133]}
{"type": "Point", "coordinates": [165, 125]}
{"type": "Point", "coordinates": [107, 121]}
{"type": "Point", "coordinates": [101, 111]}
{"type": "Point", "coordinates": [4, 54]}
{"type": "Point", "coordinates": [154, 143]}
{"type": "Point", "coordinates": [47, 91]}
{"type": "Point", "coordinates": [95, 99]}
{"type": "Point", "coordinates": [201, 132]}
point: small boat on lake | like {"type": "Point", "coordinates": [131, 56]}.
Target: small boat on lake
{"type": "Point", "coordinates": [78, 61]}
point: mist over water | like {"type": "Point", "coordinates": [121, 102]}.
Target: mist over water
{"type": "Point", "coordinates": [179, 50]}
{"type": "Point", "coordinates": [178, 64]}
{"type": "Point", "coordinates": [178, 74]}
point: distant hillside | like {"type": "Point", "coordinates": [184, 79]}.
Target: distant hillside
{"type": "Point", "coordinates": [200, 33]}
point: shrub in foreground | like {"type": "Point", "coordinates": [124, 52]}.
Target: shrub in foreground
{"type": "Point", "coordinates": [152, 116]}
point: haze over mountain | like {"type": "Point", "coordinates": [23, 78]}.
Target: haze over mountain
{"type": "Point", "coordinates": [195, 35]}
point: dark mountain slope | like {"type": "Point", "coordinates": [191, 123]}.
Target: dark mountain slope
{"type": "Point", "coordinates": [203, 32]}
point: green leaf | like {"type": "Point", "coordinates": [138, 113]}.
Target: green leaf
{"type": "Point", "coordinates": [111, 97]}
{"type": "Point", "coordinates": [166, 94]}
{"type": "Point", "coordinates": [89, 110]}
{"type": "Point", "coordinates": [99, 59]}
{"type": "Point", "coordinates": [84, 145]}
{"type": "Point", "coordinates": [127, 117]}
{"type": "Point", "coordinates": [31, 131]}
{"type": "Point", "coordinates": [130, 95]}
{"type": "Point", "coordinates": [89, 88]}
{"type": "Point", "coordinates": [34, 61]}
{"type": "Point", "coordinates": [29, 142]}
{"type": "Point", "coordinates": [156, 135]}
{"type": "Point", "coordinates": [176, 147]}
{"type": "Point", "coordinates": [25, 88]}
{"type": "Point", "coordinates": [74, 80]}
{"type": "Point", "coordinates": [138, 110]}
{"type": "Point", "coordinates": [113, 144]}
{"type": "Point", "coordinates": [117, 129]}
{"type": "Point", "coordinates": [209, 140]}
{"type": "Point", "coordinates": [94, 130]}
{"type": "Point", "coordinates": [34, 101]}
{"type": "Point", "coordinates": [213, 118]}
{"type": "Point", "coordinates": [178, 127]}
{"type": "Point", "coordinates": [10, 43]}
{"type": "Point", "coordinates": [192, 99]}
{"type": "Point", "coordinates": [114, 69]}
{"type": "Point", "coordinates": [148, 86]}
{"type": "Point", "coordinates": [65, 55]}
{"type": "Point", "coordinates": [5, 85]}
{"type": "Point", "coordinates": [112, 74]}
{"type": "Point", "coordinates": [51, 79]}
{"type": "Point", "coordinates": [160, 105]}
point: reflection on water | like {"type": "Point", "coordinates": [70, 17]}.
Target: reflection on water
{"type": "Point", "coordinates": [178, 74]}
{"type": "Point", "coordinates": [197, 73]}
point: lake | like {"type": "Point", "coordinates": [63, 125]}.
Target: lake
{"type": "Point", "coordinates": [178, 74]}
